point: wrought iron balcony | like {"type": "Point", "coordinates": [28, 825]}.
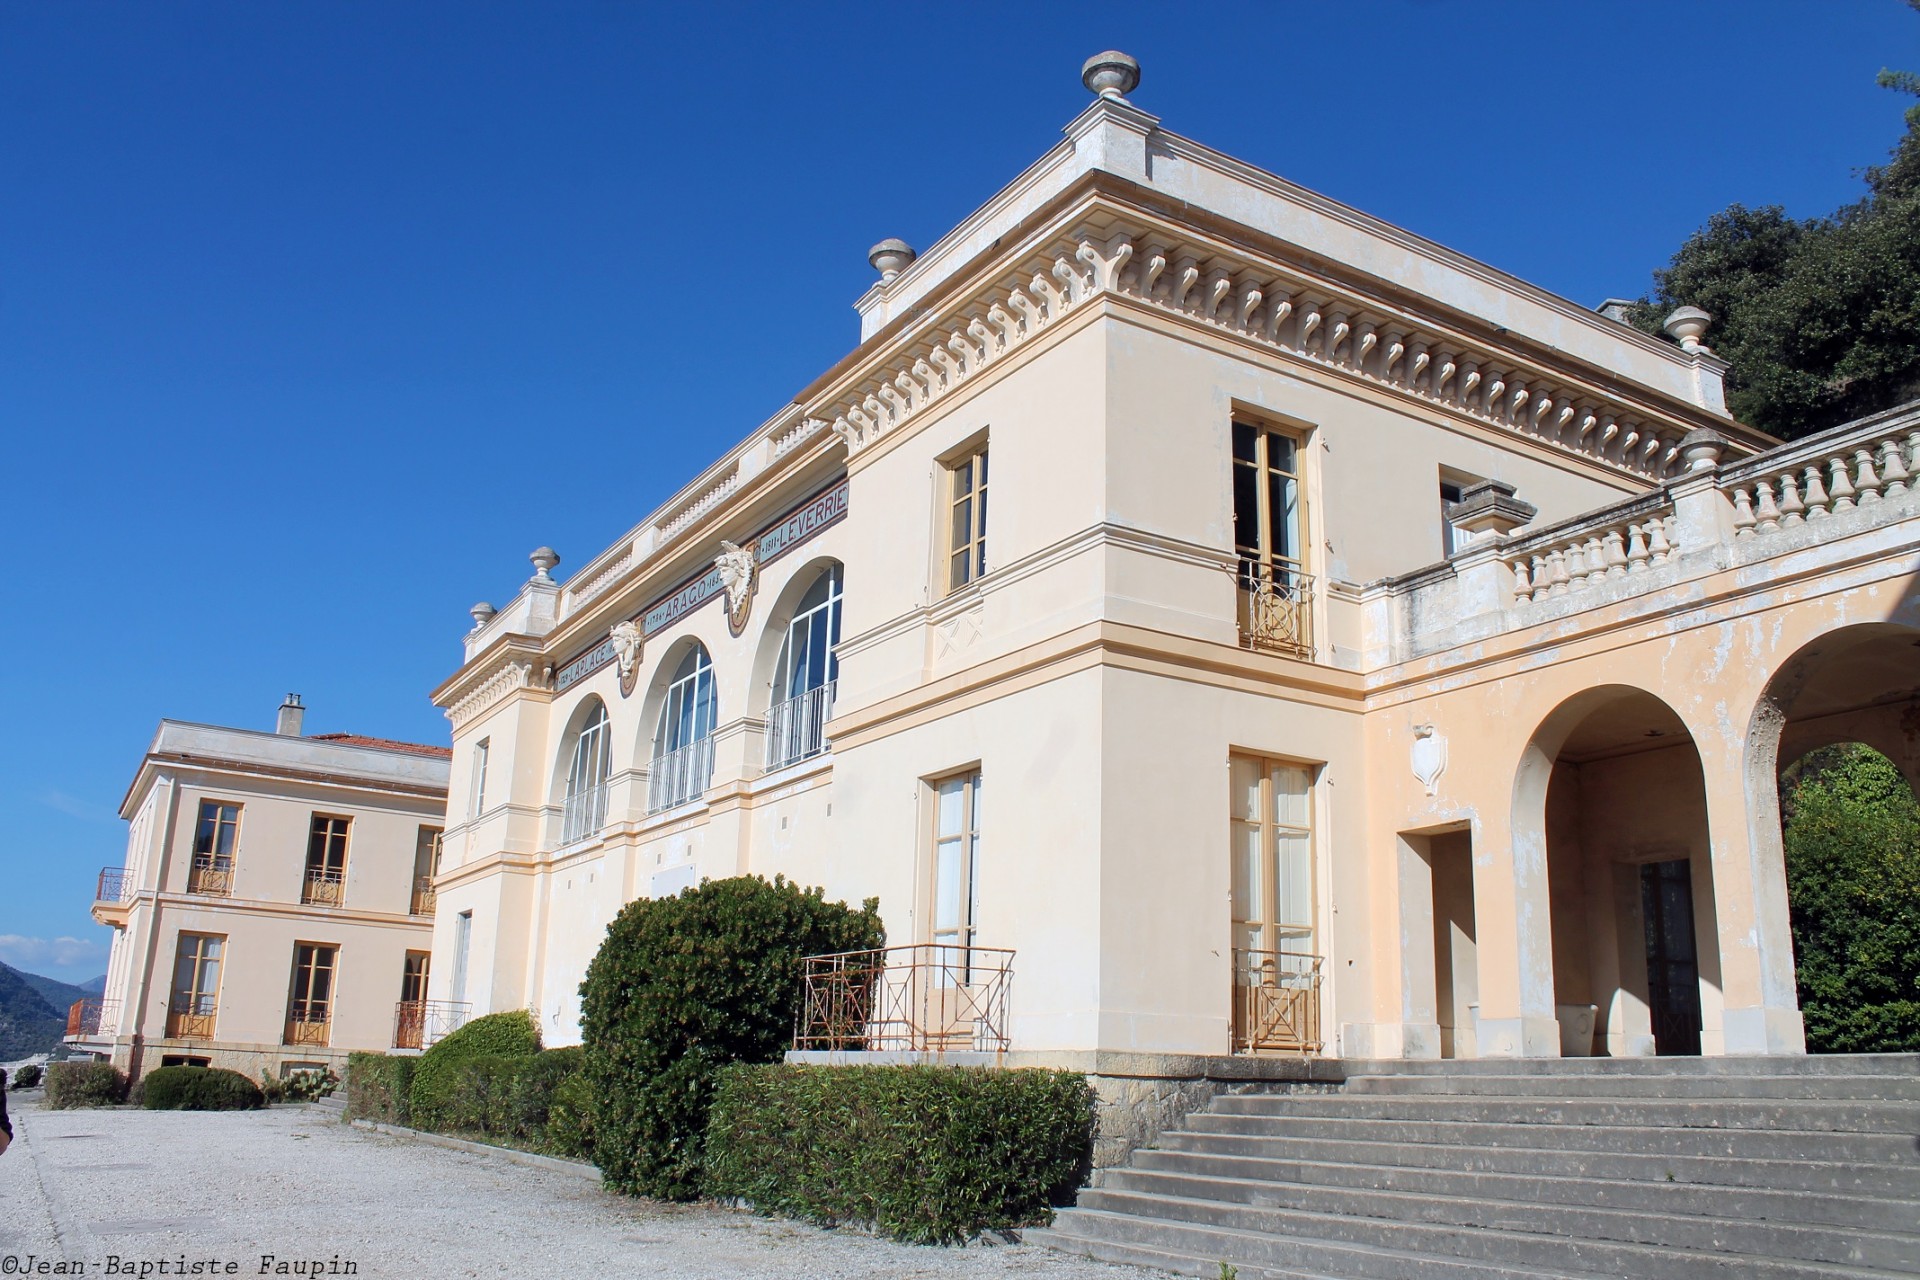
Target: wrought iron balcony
{"type": "Point", "coordinates": [115, 885]}
{"type": "Point", "coordinates": [210, 875]}
{"type": "Point", "coordinates": [324, 888]}
{"type": "Point", "coordinates": [797, 727]}
{"type": "Point", "coordinates": [1275, 608]}
{"type": "Point", "coordinates": [308, 1022]}
{"type": "Point", "coordinates": [93, 1019]}
{"type": "Point", "coordinates": [583, 813]}
{"type": "Point", "coordinates": [680, 777]}
{"type": "Point", "coordinates": [1276, 1001]}
{"type": "Point", "coordinates": [926, 997]}
{"type": "Point", "coordinates": [424, 897]}
{"type": "Point", "coordinates": [418, 1024]}
{"type": "Point", "coordinates": [191, 1017]}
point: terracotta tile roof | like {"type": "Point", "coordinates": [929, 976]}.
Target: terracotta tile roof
{"type": "Point", "coordinates": [385, 744]}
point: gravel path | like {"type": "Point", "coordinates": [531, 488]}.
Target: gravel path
{"type": "Point", "coordinates": [303, 1187]}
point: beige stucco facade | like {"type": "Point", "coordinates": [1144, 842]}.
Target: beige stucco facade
{"type": "Point", "coordinates": [250, 857]}
{"type": "Point", "coordinates": [1494, 739]}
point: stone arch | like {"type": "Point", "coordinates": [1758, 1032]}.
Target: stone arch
{"type": "Point", "coordinates": [577, 720]}
{"type": "Point", "coordinates": [774, 628]}
{"type": "Point", "coordinates": [646, 733]}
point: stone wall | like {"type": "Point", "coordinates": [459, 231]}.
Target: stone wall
{"type": "Point", "coordinates": [1131, 1112]}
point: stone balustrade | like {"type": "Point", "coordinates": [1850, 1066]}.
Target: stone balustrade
{"type": "Point", "coordinates": [1562, 564]}
{"type": "Point", "coordinates": [1856, 465]}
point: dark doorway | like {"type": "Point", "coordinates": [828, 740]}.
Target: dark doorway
{"type": "Point", "coordinates": [1673, 965]}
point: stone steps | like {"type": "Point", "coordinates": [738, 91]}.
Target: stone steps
{"type": "Point", "coordinates": [1678, 1170]}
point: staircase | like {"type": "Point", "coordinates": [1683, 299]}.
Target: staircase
{"type": "Point", "coordinates": [1517, 1169]}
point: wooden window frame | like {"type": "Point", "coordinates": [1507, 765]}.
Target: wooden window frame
{"type": "Point", "coordinates": [416, 970]}
{"type": "Point", "coordinates": [1271, 927]}
{"type": "Point", "coordinates": [964, 536]}
{"type": "Point", "coordinates": [1262, 554]}
{"type": "Point", "coordinates": [323, 884]}
{"type": "Point", "coordinates": [963, 936]}
{"type": "Point", "coordinates": [302, 1027]}
{"type": "Point", "coordinates": [477, 801]}
{"type": "Point", "coordinates": [192, 1013]}
{"type": "Point", "coordinates": [209, 871]}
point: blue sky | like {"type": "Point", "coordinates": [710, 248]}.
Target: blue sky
{"type": "Point", "coordinates": [315, 319]}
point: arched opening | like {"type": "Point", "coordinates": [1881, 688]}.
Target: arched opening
{"type": "Point", "coordinates": [583, 805]}
{"type": "Point", "coordinates": [1838, 733]}
{"type": "Point", "coordinates": [683, 740]}
{"type": "Point", "coordinates": [805, 673]}
{"type": "Point", "coordinates": [1613, 793]}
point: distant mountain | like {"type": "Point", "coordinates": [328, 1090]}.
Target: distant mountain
{"type": "Point", "coordinates": [95, 986]}
{"type": "Point", "coordinates": [61, 994]}
{"type": "Point", "coordinates": [29, 1021]}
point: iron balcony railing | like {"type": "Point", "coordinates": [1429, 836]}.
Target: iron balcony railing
{"type": "Point", "coordinates": [191, 1017]}
{"type": "Point", "coordinates": [93, 1019]}
{"type": "Point", "coordinates": [424, 897]}
{"type": "Point", "coordinates": [324, 888]}
{"type": "Point", "coordinates": [797, 727]}
{"type": "Point", "coordinates": [583, 813]}
{"type": "Point", "coordinates": [1275, 608]}
{"type": "Point", "coordinates": [115, 885]}
{"type": "Point", "coordinates": [211, 876]}
{"type": "Point", "coordinates": [1276, 1001]}
{"type": "Point", "coordinates": [926, 997]}
{"type": "Point", "coordinates": [418, 1024]}
{"type": "Point", "coordinates": [680, 777]}
{"type": "Point", "coordinates": [308, 1022]}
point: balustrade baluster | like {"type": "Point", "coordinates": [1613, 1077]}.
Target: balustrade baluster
{"type": "Point", "coordinates": [1616, 554]}
{"type": "Point", "coordinates": [1864, 480]}
{"type": "Point", "coordinates": [1842, 487]}
{"type": "Point", "coordinates": [1596, 560]}
{"type": "Point", "coordinates": [1557, 566]}
{"type": "Point", "coordinates": [1792, 509]}
{"type": "Point", "coordinates": [1659, 545]}
{"type": "Point", "coordinates": [1636, 548]}
{"type": "Point", "coordinates": [1522, 588]}
{"type": "Point", "coordinates": [1743, 511]}
{"type": "Point", "coordinates": [1893, 469]}
{"type": "Point", "coordinates": [1815, 494]}
{"type": "Point", "coordinates": [1542, 577]}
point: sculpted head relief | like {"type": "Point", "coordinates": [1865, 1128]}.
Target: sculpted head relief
{"type": "Point", "coordinates": [739, 575]}
{"type": "Point", "coordinates": [628, 644]}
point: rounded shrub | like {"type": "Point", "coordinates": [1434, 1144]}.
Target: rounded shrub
{"type": "Point", "coordinates": [683, 986]}
{"type": "Point", "coordinates": [199, 1089]}
{"type": "Point", "coordinates": [84, 1084]}
{"type": "Point", "coordinates": [434, 1100]}
{"type": "Point", "coordinates": [26, 1077]}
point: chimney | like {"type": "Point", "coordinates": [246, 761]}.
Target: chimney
{"type": "Point", "coordinates": [292, 714]}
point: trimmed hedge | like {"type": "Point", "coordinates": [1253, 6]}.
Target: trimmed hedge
{"type": "Point", "coordinates": [930, 1155]}
{"type": "Point", "coordinates": [433, 1099]}
{"type": "Point", "coordinates": [24, 1078]}
{"type": "Point", "coordinates": [377, 1087]}
{"type": "Point", "coordinates": [84, 1084]}
{"type": "Point", "coordinates": [510, 1098]}
{"type": "Point", "coordinates": [199, 1089]}
{"type": "Point", "coordinates": [681, 987]}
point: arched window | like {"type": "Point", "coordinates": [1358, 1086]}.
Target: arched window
{"type": "Point", "coordinates": [585, 809]}
{"type": "Point", "coordinates": [805, 677]}
{"type": "Point", "coordinates": [683, 745]}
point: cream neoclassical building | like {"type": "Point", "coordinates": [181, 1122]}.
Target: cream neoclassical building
{"type": "Point", "coordinates": [1363, 653]}
{"type": "Point", "coordinates": [274, 909]}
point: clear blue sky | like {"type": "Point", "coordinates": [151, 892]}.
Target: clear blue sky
{"type": "Point", "coordinates": [315, 319]}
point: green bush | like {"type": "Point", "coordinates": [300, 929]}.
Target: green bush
{"type": "Point", "coordinates": [432, 1098]}
{"type": "Point", "coordinates": [299, 1086]}
{"type": "Point", "coordinates": [199, 1089]}
{"type": "Point", "coordinates": [25, 1078]}
{"type": "Point", "coordinates": [84, 1084]}
{"type": "Point", "coordinates": [681, 987]}
{"type": "Point", "coordinates": [530, 1101]}
{"type": "Point", "coordinates": [378, 1085]}
{"type": "Point", "coordinates": [570, 1118]}
{"type": "Point", "coordinates": [931, 1155]}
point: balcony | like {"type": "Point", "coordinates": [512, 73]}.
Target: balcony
{"type": "Point", "coordinates": [681, 777]}
{"type": "Point", "coordinates": [1276, 1002]}
{"type": "Point", "coordinates": [308, 1022]}
{"type": "Point", "coordinates": [93, 1019]}
{"type": "Point", "coordinates": [424, 897]}
{"type": "Point", "coordinates": [115, 885]}
{"type": "Point", "coordinates": [418, 1024]}
{"type": "Point", "coordinates": [797, 728]}
{"type": "Point", "coordinates": [1275, 609]}
{"type": "Point", "coordinates": [925, 998]}
{"type": "Point", "coordinates": [583, 813]}
{"type": "Point", "coordinates": [210, 876]}
{"type": "Point", "coordinates": [191, 1017]}
{"type": "Point", "coordinates": [324, 888]}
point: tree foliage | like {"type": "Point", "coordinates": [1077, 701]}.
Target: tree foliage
{"type": "Point", "coordinates": [1819, 318]}
{"type": "Point", "coordinates": [433, 1096]}
{"type": "Point", "coordinates": [1853, 882]}
{"type": "Point", "coordinates": [683, 986]}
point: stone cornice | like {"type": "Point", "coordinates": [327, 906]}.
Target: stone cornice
{"type": "Point", "coordinates": [509, 676]}
{"type": "Point", "coordinates": [1113, 250]}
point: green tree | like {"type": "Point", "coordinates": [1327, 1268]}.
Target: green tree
{"type": "Point", "coordinates": [1853, 884]}
{"type": "Point", "coordinates": [1819, 318]}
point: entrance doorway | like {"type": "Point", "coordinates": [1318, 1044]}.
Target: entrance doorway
{"type": "Point", "coordinates": [1673, 962]}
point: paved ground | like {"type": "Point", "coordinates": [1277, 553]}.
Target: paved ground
{"type": "Point", "coordinates": [148, 1186]}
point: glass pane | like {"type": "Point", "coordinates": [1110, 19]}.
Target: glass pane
{"type": "Point", "coordinates": [184, 966]}
{"type": "Point", "coordinates": [981, 463]}
{"type": "Point", "coordinates": [958, 569]}
{"type": "Point", "coordinates": [960, 531]}
{"type": "Point", "coordinates": [980, 527]}
{"type": "Point", "coordinates": [1294, 900]}
{"type": "Point", "coordinates": [1243, 442]}
{"type": "Point", "coordinates": [963, 479]}
{"type": "Point", "coordinates": [1283, 495]}
{"type": "Point", "coordinates": [1291, 790]}
{"type": "Point", "coordinates": [1246, 511]}
{"type": "Point", "coordinates": [706, 708]}
{"type": "Point", "coordinates": [1280, 452]}
{"type": "Point", "coordinates": [1247, 897]}
{"type": "Point", "coordinates": [946, 889]}
{"type": "Point", "coordinates": [322, 988]}
{"type": "Point", "coordinates": [949, 802]}
{"type": "Point", "coordinates": [979, 789]}
{"type": "Point", "coordinates": [1246, 788]}
{"type": "Point", "coordinates": [229, 825]}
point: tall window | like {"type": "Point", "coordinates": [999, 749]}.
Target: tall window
{"type": "Point", "coordinates": [1268, 540]}
{"type": "Point", "coordinates": [477, 793]}
{"type": "Point", "coordinates": [462, 944]}
{"type": "Point", "coordinates": [214, 838]}
{"type": "Point", "coordinates": [413, 976]}
{"type": "Point", "coordinates": [585, 809]}
{"type": "Point", "coordinates": [195, 998]}
{"type": "Point", "coordinates": [1272, 856]}
{"type": "Point", "coordinates": [410, 1016]}
{"type": "Point", "coordinates": [426, 865]}
{"type": "Point", "coordinates": [683, 745]}
{"type": "Point", "coordinates": [967, 519]}
{"type": "Point", "coordinates": [1450, 539]}
{"type": "Point", "coordinates": [326, 861]}
{"type": "Point", "coordinates": [310, 1005]}
{"type": "Point", "coordinates": [956, 862]}
{"type": "Point", "coordinates": [807, 673]}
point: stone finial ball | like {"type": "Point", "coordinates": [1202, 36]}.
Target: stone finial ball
{"type": "Point", "coordinates": [1111, 74]}
{"type": "Point", "coordinates": [891, 257]}
{"type": "Point", "coordinates": [1687, 325]}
